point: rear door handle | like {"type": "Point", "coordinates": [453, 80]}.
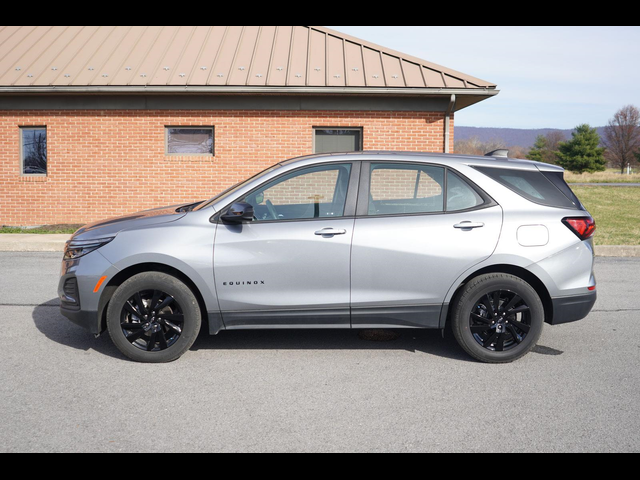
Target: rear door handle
{"type": "Point", "coordinates": [469, 225]}
{"type": "Point", "coordinates": [330, 232]}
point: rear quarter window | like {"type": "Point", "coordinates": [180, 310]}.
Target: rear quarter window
{"type": "Point", "coordinates": [535, 186]}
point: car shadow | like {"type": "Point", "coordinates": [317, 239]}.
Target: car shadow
{"type": "Point", "coordinates": [50, 322]}
{"type": "Point", "coordinates": [53, 325]}
{"type": "Point", "coordinates": [430, 342]}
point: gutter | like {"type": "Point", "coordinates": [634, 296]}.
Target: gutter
{"type": "Point", "coordinates": [222, 89]}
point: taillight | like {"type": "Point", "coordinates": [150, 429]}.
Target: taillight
{"type": "Point", "coordinates": [583, 227]}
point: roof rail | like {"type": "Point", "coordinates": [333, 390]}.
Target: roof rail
{"type": "Point", "coordinates": [501, 153]}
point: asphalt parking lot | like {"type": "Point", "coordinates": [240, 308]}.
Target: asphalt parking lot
{"type": "Point", "coordinates": [62, 390]}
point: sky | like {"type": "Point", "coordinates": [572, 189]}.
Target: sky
{"type": "Point", "coordinates": [548, 77]}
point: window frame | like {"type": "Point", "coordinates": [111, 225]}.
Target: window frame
{"type": "Point", "coordinates": [350, 201]}
{"type": "Point", "coordinates": [190, 127]}
{"type": "Point", "coordinates": [22, 129]}
{"type": "Point", "coordinates": [362, 209]}
{"type": "Point", "coordinates": [353, 129]}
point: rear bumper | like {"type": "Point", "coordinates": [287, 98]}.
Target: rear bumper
{"type": "Point", "coordinates": [572, 309]}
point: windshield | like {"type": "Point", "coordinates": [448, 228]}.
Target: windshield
{"type": "Point", "coordinates": [230, 191]}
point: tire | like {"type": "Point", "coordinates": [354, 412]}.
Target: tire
{"type": "Point", "coordinates": [502, 333]}
{"type": "Point", "coordinates": [153, 318]}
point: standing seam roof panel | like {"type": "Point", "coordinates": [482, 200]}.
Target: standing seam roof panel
{"type": "Point", "coordinates": [278, 56]}
{"type": "Point", "coordinates": [262, 56]}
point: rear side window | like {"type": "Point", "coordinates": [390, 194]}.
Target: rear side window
{"type": "Point", "coordinates": [460, 196]}
{"type": "Point", "coordinates": [404, 189]}
{"type": "Point", "coordinates": [534, 186]}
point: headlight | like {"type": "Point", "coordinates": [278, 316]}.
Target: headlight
{"type": "Point", "coordinates": [80, 248]}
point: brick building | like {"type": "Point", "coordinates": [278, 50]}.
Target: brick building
{"type": "Point", "coordinates": [103, 121]}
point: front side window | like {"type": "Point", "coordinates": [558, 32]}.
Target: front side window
{"type": "Point", "coordinates": [190, 141]}
{"type": "Point", "coordinates": [404, 189]}
{"type": "Point", "coordinates": [337, 140]}
{"type": "Point", "coordinates": [33, 150]}
{"type": "Point", "coordinates": [317, 192]}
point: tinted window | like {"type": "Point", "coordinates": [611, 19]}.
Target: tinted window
{"type": "Point", "coordinates": [190, 141]}
{"type": "Point", "coordinates": [402, 189]}
{"type": "Point", "coordinates": [34, 151]}
{"type": "Point", "coordinates": [334, 140]}
{"type": "Point", "coordinates": [532, 185]}
{"type": "Point", "coordinates": [318, 192]}
{"type": "Point", "coordinates": [460, 196]}
{"type": "Point", "coordinates": [557, 178]}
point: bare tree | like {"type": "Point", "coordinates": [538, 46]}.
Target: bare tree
{"type": "Point", "coordinates": [622, 137]}
{"type": "Point", "coordinates": [474, 146]}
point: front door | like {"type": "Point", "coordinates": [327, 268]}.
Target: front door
{"type": "Point", "coordinates": [291, 265]}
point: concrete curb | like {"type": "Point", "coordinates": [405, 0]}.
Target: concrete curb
{"type": "Point", "coordinates": [55, 243]}
{"type": "Point", "coordinates": [32, 243]}
{"type": "Point", "coordinates": [618, 251]}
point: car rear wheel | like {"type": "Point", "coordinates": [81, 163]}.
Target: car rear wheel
{"type": "Point", "coordinates": [153, 318]}
{"type": "Point", "coordinates": [497, 318]}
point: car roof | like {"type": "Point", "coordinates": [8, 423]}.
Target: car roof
{"type": "Point", "coordinates": [443, 158]}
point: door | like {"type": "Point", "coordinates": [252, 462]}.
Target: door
{"type": "Point", "coordinates": [419, 227]}
{"type": "Point", "coordinates": [290, 266]}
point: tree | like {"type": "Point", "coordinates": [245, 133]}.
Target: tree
{"type": "Point", "coordinates": [538, 149]}
{"type": "Point", "coordinates": [474, 146]}
{"type": "Point", "coordinates": [622, 137]}
{"type": "Point", "coordinates": [582, 153]}
{"type": "Point", "coordinates": [545, 149]}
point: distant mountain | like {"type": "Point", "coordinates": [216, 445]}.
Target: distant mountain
{"type": "Point", "coordinates": [512, 137]}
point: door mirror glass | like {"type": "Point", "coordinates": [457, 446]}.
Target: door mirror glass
{"type": "Point", "coordinates": [238, 213]}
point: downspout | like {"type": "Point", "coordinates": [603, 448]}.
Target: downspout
{"type": "Point", "coordinates": [447, 123]}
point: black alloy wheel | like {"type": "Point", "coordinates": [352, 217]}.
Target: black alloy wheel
{"type": "Point", "coordinates": [497, 318]}
{"type": "Point", "coordinates": [154, 317]}
{"type": "Point", "coordinates": [152, 320]}
{"type": "Point", "coordinates": [500, 321]}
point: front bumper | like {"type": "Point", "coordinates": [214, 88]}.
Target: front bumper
{"type": "Point", "coordinates": [88, 320]}
{"type": "Point", "coordinates": [80, 302]}
{"type": "Point", "coordinates": [573, 308]}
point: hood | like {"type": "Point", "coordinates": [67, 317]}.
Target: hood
{"type": "Point", "coordinates": [113, 226]}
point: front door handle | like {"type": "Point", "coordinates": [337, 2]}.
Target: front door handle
{"type": "Point", "coordinates": [330, 232]}
{"type": "Point", "coordinates": [469, 225]}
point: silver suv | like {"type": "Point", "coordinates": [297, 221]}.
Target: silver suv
{"type": "Point", "coordinates": [493, 246]}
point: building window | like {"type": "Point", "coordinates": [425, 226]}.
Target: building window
{"type": "Point", "coordinates": [33, 150]}
{"type": "Point", "coordinates": [337, 140]}
{"type": "Point", "coordinates": [189, 141]}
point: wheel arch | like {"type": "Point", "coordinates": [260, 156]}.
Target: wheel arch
{"type": "Point", "coordinates": [133, 270]}
{"type": "Point", "coordinates": [514, 270]}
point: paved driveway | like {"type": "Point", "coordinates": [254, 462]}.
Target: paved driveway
{"type": "Point", "coordinates": [63, 390]}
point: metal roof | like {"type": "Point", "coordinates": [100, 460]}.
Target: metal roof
{"type": "Point", "coordinates": [242, 58]}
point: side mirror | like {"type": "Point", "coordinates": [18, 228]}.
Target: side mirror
{"type": "Point", "coordinates": [238, 213]}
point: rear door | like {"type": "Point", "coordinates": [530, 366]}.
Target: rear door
{"type": "Point", "coordinates": [418, 228]}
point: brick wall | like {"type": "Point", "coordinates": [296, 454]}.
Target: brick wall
{"type": "Point", "coordinates": [107, 163]}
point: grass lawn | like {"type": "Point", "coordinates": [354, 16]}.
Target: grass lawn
{"type": "Point", "coordinates": [616, 211]}
{"type": "Point", "coordinates": [48, 229]}
{"type": "Point", "coordinates": [610, 176]}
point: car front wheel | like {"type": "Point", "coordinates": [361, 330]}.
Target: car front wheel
{"type": "Point", "coordinates": [153, 318]}
{"type": "Point", "coordinates": [497, 318]}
